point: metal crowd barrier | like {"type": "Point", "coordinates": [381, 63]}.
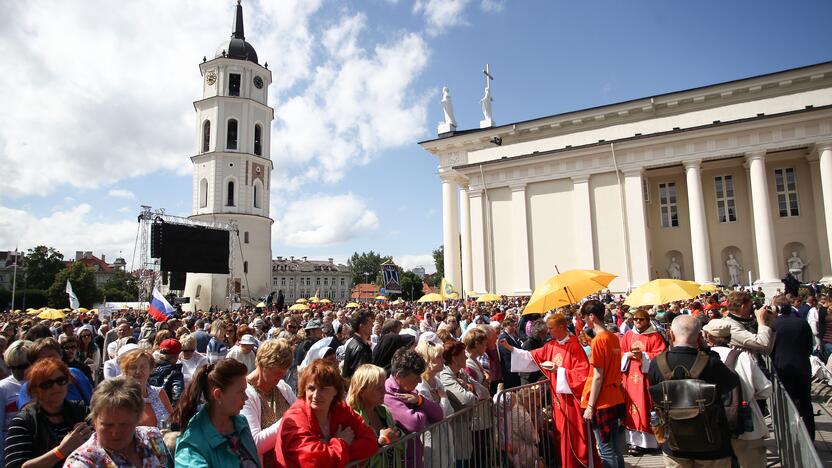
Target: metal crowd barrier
{"type": "Point", "coordinates": [795, 447]}
{"type": "Point", "coordinates": [514, 430]}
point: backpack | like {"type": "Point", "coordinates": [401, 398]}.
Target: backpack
{"type": "Point", "coordinates": [737, 411]}
{"type": "Point", "coordinates": [691, 410]}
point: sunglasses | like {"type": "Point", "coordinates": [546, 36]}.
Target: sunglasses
{"type": "Point", "coordinates": [47, 384]}
{"type": "Point", "coordinates": [641, 319]}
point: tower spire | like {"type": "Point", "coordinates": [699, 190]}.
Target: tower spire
{"type": "Point", "coordinates": [237, 31]}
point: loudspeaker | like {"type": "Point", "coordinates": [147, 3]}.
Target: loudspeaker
{"type": "Point", "coordinates": [155, 240]}
{"type": "Point", "coordinates": [177, 280]}
{"type": "Point", "coordinates": [193, 249]}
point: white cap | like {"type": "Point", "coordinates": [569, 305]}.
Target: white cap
{"type": "Point", "coordinates": [127, 348]}
{"type": "Point", "coordinates": [248, 340]}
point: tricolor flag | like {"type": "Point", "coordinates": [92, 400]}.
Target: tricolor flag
{"type": "Point", "coordinates": [159, 308]}
{"type": "Point", "coordinates": [73, 299]}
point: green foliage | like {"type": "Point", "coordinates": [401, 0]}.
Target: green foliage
{"type": "Point", "coordinates": [121, 287]}
{"type": "Point", "coordinates": [369, 263]}
{"type": "Point", "coordinates": [83, 283]}
{"type": "Point", "coordinates": [411, 286]}
{"type": "Point", "coordinates": [434, 280]}
{"type": "Point", "coordinates": [42, 266]}
{"type": "Point", "coordinates": [439, 261]}
{"type": "Point", "coordinates": [24, 298]}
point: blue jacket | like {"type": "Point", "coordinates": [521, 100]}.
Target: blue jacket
{"type": "Point", "coordinates": [201, 446]}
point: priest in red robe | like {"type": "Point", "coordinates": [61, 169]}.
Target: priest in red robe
{"type": "Point", "coordinates": [639, 346]}
{"type": "Point", "coordinates": [563, 361]}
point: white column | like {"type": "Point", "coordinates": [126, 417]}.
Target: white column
{"type": "Point", "coordinates": [825, 154]}
{"type": "Point", "coordinates": [479, 255]}
{"type": "Point", "coordinates": [584, 250]}
{"type": "Point", "coordinates": [763, 228]}
{"type": "Point", "coordinates": [639, 253]}
{"type": "Point", "coordinates": [465, 234]}
{"type": "Point", "coordinates": [520, 240]}
{"type": "Point", "coordinates": [699, 241]}
{"type": "Point", "coordinates": [450, 231]}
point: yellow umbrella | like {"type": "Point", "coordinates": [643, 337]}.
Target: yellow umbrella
{"type": "Point", "coordinates": [52, 314]}
{"type": "Point", "coordinates": [17, 311]}
{"type": "Point", "coordinates": [93, 311]}
{"type": "Point", "coordinates": [352, 305]}
{"type": "Point", "coordinates": [380, 298]}
{"type": "Point", "coordinates": [662, 291]}
{"type": "Point", "coordinates": [708, 288]}
{"type": "Point", "coordinates": [67, 309]}
{"type": "Point", "coordinates": [325, 301]}
{"type": "Point", "coordinates": [489, 298]}
{"type": "Point", "coordinates": [566, 288]}
{"type": "Point", "coordinates": [299, 307]}
{"type": "Point", "coordinates": [397, 301]}
{"type": "Point", "coordinates": [472, 294]}
{"type": "Point", "coordinates": [261, 304]}
{"type": "Point", "coordinates": [314, 299]}
{"type": "Point", "coordinates": [33, 311]}
{"type": "Point", "coordinates": [300, 301]}
{"type": "Point", "coordinates": [83, 310]}
{"type": "Point", "coordinates": [432, 297]}
{"type": "Point", "coordinates": [452, 295]}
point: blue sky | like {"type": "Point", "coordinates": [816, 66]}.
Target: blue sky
{"type": "Point", "coordinates": [102, 119]}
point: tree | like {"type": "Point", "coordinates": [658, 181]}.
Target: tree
{"type": "Point", "coordinates": [42, 265]}
{"type": "Point", "coordinates": [83, 284]}
{"type": "Point", "coordinates": [368, 263]}
{"type": "Point", "coordinates": [434, 280]}
{"type": "Point", "coordinates": [439, 261]}
{"type": "Point", "coordinates": [121, 287]}
{"type": "Point", "coordinates": [411, 286]}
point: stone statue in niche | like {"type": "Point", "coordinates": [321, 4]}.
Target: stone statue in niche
{"type": "Point", "coordinates": [674, 271]}
{"type": "Point", "coordinates": [734, 270]}
{"type": "Point", "coordinates": [796, 266]}
{"type": "Point", "coordinates": [448, 107]}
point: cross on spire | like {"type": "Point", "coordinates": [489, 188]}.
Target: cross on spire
{"type": "Point", "coordinates": [488, 76]}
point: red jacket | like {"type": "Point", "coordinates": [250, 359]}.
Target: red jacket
{"type": "Point", "coordinates": [299, 439]}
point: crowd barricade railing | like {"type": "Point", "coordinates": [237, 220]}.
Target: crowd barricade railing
{"type": "Point", "coordinates": [514, 430]}
{"type": "Point", "coordinates": [463, 436]}
{"type": "Point", "coordinates": [794, 446]}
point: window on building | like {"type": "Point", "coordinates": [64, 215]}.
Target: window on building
{"type": "Point", "coordinates": [256, 195]}
{"type": "Point", "coordinates": [308, 281]}
{"type": "Point", "coordinates": [203, 193]}
{"type": "Point", "coordinates": [785, 181]}
{"type": "Point", "coordinates": [667, 205]}
{"type": "Point", "coordinates": [258, 138]}
{"type": "Point", "coordinates": [326, 281]}
{"type": "Point", "coordinates": [229, 200]}
{"type": "Point", "coordinates": [283, 281]}
{"type": "Point", "coordinates": [234, 84]}
{"type": "Point", "coordinates": [206, 136]}
{"type": "Point", "coordinates": [342, 281]}
{"type": "Point", "coordinates": [231, 137]}
{"type": "Point", "coordinates": [317, 281]}
{"type": "Point", "coordinates": [726, 210]}
{"type": "Point", "coordinates": [245, 267]}
{"type": "Point", "coordinates": [245, 237]}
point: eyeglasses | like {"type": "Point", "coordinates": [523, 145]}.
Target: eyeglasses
{"type": "Point", "coordinates": [641, 319]}
{"type": "Point", "coordinates": [47, 384]}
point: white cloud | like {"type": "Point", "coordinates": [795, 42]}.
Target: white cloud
{"type": "Point", "coordinates": [441, 14]}
{"type": "Point", "coordinates": [103, 90]}
{"type": "Point", "coordinates": [68, 231]}
{"type": "Point", "coordinates": [408, 262]}
{"type": "Point", "coordinates": [492, 6]}
{"type": "Point", "coordinates": [318, 220]}
{"type": "Point", "coordinates": [121, 193]}
{"type": "Point", "coordinates": [358, 103]}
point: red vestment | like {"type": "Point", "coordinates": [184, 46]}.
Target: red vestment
{"type": "Point", "coordinates": [634, 381]}
{"type": "Point", "coordinates": [575, 441]}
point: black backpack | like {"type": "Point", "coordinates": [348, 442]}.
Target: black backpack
{"type": "Point", "coordinates": [691, 410]}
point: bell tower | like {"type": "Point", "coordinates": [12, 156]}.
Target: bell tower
{"type": "Point", "coordinates": [232, 167]}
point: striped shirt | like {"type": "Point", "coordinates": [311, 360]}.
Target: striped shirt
{"type": "Point", "coordinates": [19, 442]}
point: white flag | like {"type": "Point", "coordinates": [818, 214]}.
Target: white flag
{"type": "Point", "coordinates": [73, 299]}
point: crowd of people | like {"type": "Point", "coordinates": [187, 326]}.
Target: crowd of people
{"type": "Point", "coordinates": [262, 387]}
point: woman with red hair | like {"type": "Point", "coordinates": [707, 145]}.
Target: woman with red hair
{"type": "Point", "coordinates": [319, 429]}
{"type": "Point", "coordinates": [49, 427]}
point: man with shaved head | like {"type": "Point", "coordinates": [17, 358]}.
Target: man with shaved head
{"type": "Point", "coordinates": [685, 336]}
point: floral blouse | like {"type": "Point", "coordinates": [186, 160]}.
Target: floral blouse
{"type": "Point", "coordinates": [149, 444]}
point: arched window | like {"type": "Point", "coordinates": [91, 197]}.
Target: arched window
{"type": "Point", "coordinates": [203, 193]}
{"type": "Point", "coordinates": [230, 195]}
{"type": "Point", "coordinates": [206, 136]}
{"type": "Point", "coordinates": [245, 267]}
{"type": "Point", "coordinates": [258, 135]}
{"type": "Point", "coordinates": [231, 137]}
{"type": "Point", "coordinates": [257, 194]}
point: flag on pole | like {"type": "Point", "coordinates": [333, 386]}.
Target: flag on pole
{"type": "Point", "coordinates": [446, 289]}
{"type": "Point", "coordinates": [73, 299]}
{"type": "Point", "coordinates": [159, 308]}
